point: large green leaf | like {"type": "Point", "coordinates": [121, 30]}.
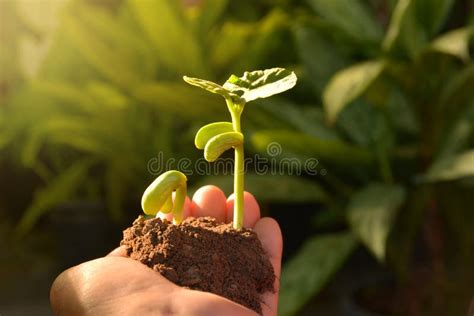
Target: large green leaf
{"type": "Point", "coordinates": [311, 268]}
{"type": "Point", "coordinates": [451, 168]}
{"type": "Point", "coordinates": [261, 83]}
{"type": "Point", "coordinates": [59, 190]}
{"type": "Point", "coordinates": [454, 43]}
{"type": "Point", "coordinates": [372, 213]}
{"type": "Point", "coordinates": [272, 188]}
{"type": "Point", "coordinates": [352, 18]}
{"type": "Point", "coordinates": [348, 84]}
{"type": "Point", "coordinates": [306, 146]}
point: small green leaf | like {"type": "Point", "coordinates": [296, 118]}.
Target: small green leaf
{"type": "Point", "coordinates": [371, 214]}
{"type": "Point", "coordinates": [261, 83]}
{"type": "Point", "coordinates": [348, 84]}
{"type": "Point", "coordinates": [208, 131]}
{"type": "Point", "coordinates": [209, 86]}
{"type": "Point", "coordinates": [159, 191]}
{"type": "Point", "coordinates": [454, 43]}
{"type": "Point", "coordinates": [220, 143]}
{"type": "Point", "coordinates": [305, 274]}
{"type": "Point", "coordinates": [451, 168]}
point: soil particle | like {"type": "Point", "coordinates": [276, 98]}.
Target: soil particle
{"type": "Point", "coordinates": [204, 255]}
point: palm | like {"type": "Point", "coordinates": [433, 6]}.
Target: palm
{"type": "Point", "coordinates": [118, 285]}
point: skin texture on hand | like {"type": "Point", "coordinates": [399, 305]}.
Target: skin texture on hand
{"type": "Point", "coordinates": [117, 285]}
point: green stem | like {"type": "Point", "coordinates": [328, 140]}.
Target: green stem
{"type": "Point", "coordinates": [179, 199]}
{"type": "Point", "coordinates": [235, 112]}
{"type": "Point", "coordinates": [239, 187]}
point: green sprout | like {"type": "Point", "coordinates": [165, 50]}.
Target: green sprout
{"type": "Point", "coordinates": [216, 138]}
{"type": "Point", "coordinates": [159, 195]}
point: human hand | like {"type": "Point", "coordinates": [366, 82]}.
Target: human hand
{"type": "Point", "coordinates": [116, 284]}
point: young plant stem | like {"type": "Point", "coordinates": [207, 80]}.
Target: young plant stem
{"type": "Point", "coordinates": [239, 187]}
{"type": "Point", "coordinates": [235, 112]}
{"type": "Point", "coordinates": [179, 199]}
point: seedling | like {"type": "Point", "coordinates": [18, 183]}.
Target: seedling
{"type": "Point", "coordinates": [216, 138]}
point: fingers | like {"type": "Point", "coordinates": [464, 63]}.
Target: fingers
{"type": "Point", "coordinates": [209, 201]}
{"type": "Point", "coordinates": [251, 209]}
{"type": "Point", "coordinates": [269, 233]}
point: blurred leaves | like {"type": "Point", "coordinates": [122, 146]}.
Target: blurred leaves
{"type": "Point", "coordinates": [61, 189]}
{"type": "Point", "coordinates": [273, 188]}
{"type": "Point", "coordinates": [301, 145]}
{"type": "Point", "coordinates": [371, 215]}
{"type": "Point", "coordinates": [180, 99]}
{"type": "Point", "coordinates": [451, 168]}
{"type": "Point", "coordinates": [310, 269]}
{"type": "Point", "coordinates": [412, 25]}
{"type": "Point", "coordinates": [348, 84]}
{"type": "Point", "coordinates": [320, 55]}
{"type": "Point", "coordinates": [455, 43]}
{"type": "Point", "coordinates": [359, 24]}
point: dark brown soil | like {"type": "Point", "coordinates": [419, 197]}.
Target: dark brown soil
{"type": "Point", "coordinates": [204, 255]}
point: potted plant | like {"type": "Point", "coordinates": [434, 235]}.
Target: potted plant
{"type": "Point", "coordinates": [201, 253]}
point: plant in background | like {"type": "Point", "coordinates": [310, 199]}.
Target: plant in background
{"type": "Point", "coordinates": [396, 137]}
{"type": "Point", "coordinates": [216, 138]}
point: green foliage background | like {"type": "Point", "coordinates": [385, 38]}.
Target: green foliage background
{"type": "Point", "coordinates": [90, 91]}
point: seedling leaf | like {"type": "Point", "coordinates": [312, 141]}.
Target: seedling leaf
{"type": "Point", "coordinates": [220, 143]}
{"type": "Point", "coordinates": [159, 191]}
{"type": "Point", "coordinates": [208, 131]}
{"type": "Point", "coordinates": [210, 86]}
{"type": "Point", "coordinates": [261, 83]}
